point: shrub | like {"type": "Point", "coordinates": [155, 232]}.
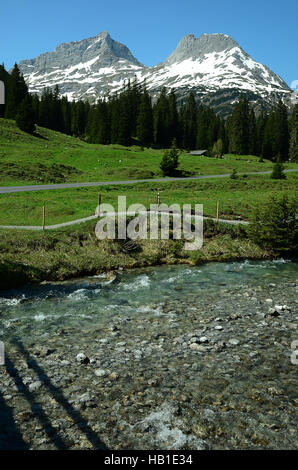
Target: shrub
{"type": "Point", "coordinates": [234, 174]}
{"type": "Point", "coordinates": [278, 171]}
{"type": "Point", "coordinates": [169, 162]}
{"type": "Point", "coordinates": [274, 225]}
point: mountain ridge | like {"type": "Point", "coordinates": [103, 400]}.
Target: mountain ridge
{"type": "Point", "coordinates": [213, 66]}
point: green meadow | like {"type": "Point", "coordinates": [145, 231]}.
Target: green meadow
{"type": "Point", "coordinates": [52, 157]}
{"type": "Point", "coordinates": [237, 198]}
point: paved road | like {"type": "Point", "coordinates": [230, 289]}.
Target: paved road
{"type": "Point", "coordinates": [19, 189]}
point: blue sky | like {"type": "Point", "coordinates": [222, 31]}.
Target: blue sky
{"type": "Point", "coordinates": [267, 30]}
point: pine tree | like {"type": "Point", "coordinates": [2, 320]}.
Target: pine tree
{"type": "Point", "coordinates": [25, 117]}
{"type": "Point", "coordinates": [145, 120]}
{"type": "Point", "coordinates": [161, 120]}
{"type": "Point", "coordinates": [189, 122]}
{"type": "Point", "coordinates": [173, 130]}
{"type": "Point", "coordinates": [16, 92]}
{"type": "Point", "coordinates": [293, 151]}
{"type": "Point", "coordinates": [252, 134]}
{"type": "Point", "coordinates": [239, 128]}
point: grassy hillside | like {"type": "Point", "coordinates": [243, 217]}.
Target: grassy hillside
{"type": "Point", "coordinates": [52, 157]}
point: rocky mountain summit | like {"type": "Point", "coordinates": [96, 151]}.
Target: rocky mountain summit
{"type": "Point", "coordinates": [213, 66]}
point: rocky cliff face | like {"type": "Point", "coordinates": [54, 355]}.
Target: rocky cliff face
{"type": "Point", "coordinates": [213, 66]}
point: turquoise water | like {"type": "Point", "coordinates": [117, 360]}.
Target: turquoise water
{"type": "Point", "coordinates": [36, 312]}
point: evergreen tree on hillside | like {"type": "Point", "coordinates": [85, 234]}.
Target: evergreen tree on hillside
{"type": "Point", "coordinates": [189, 123]}
{"type": "Point", "coordinates": [202, 129]}
{"type": "Point", "coordinates": [145, 120]}
{"type": "Point", "coordinates": [25, 118]}
{"type": "Point", "coordinates": [98, 124]}
{"type": "Point", "coordinates": [17, 90]}
{"type": "Point", "coordinates": [293, 151]}
{"type": "Point", "coordinates": [260, 127]}
{"type": "Point", "coordinates": [239, 128]}
{"type": "Point", "coordinates": [79, 113]}
{"type": "Point", "coordinates": [276, 133]}
{"type": "Point", "coordinates": [252, 134]}
{"type": "Point", "coordinates": [161, 120]}
{"type": "Point", "coordinates": [174, 127]}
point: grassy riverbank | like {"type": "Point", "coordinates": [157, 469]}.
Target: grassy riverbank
{"type": "Point", "coordinates": [28, 257]}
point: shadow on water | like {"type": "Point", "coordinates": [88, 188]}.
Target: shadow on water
{"type": "Point", "coordinates": [15, 441]}
{"type": "Point", "coordinates": [37, 410]}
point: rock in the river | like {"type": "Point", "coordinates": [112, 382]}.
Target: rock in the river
{"type": "Point", "coordinates": [101, 373]}
{"type": "Point", "coordinates": [82, 358]}
{"type": "Point", "coordinates": [234, 341]}
{"type": "Point", "coordinates": [35, 386]}
{"type": "Point", "coordinates": [203, 339]}
{"type": "Point", "coordinates": [197, 347]}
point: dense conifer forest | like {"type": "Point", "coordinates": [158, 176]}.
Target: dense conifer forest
{"type": "Point", "coordinates": [133, 117]}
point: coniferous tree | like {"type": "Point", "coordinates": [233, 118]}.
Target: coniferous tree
{"type": "Point", "coordinates": [173, 130]}
{"type": "Point", "coordinates": [161, 120]}
{"type": "Point", "coordinates": [145, 120]}
{"type": "Point", "coordinates": [16, 92]}
{"type": "Point", "coordinates": [252, 134]}
{"type": "Point", "coordinates": [293, 151]}
{"type": "Point", "coordinates": [239, 128]}
{"type": "Point", "coordinates": [189, 123]}
{"type": "Point", "coordinates": [25, 117]}
{"type": "Point", "coordinates": [202, 129]}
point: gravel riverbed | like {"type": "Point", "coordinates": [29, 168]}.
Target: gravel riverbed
{"type": "Point", "coordinates": [207, 366]}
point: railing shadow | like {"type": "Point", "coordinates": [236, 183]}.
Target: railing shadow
{"type": "Point", "coordinates": [36, 408]}
{"type": "Point", "coordinates": [57, 394]}
{"type": "Point", "coordinates": [10, 436]}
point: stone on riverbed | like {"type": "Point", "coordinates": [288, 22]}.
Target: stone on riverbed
{"type": "Point", "coordinates": [82, 358]}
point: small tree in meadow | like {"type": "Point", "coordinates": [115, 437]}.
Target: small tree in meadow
{"type": "Point", "coordinates": [278, 170]}
{"type": "Point", "coordinates": [169, 162]}
{"type": "Point", "coordinates": [234, 174]}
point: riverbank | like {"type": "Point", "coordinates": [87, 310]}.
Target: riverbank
{"type": "Point", "coordinates": [74, 252]}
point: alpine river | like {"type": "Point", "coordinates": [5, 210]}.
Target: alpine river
{"type": "Point", "coordinates": [170, 357]}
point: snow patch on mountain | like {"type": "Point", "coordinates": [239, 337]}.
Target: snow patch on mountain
{"type": "Point", "coordinates": [98, 66]}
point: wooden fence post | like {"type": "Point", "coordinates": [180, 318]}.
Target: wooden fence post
{"type": "Point", "coordinates": [99, 203]}
{"type": "Point", "coordinates": [158, 197]}
{"type": "Point", "coordinates": [43, 217]}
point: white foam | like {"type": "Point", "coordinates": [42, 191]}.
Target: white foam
{"type": "Point", "coordinates": [166, 430]}
{"type": "Point", "coordinates": [80, 294]}
{"type": "Point", "coordinates": [40, 317]}
{"type": "Point", "coordinates": [12, 302]}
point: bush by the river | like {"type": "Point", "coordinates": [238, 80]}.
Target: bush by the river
{"type": "Point", "coordinates": [274, 225]}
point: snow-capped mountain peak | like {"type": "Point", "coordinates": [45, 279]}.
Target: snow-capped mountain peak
{"type": "Point", "coordinates": [213, 66]}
